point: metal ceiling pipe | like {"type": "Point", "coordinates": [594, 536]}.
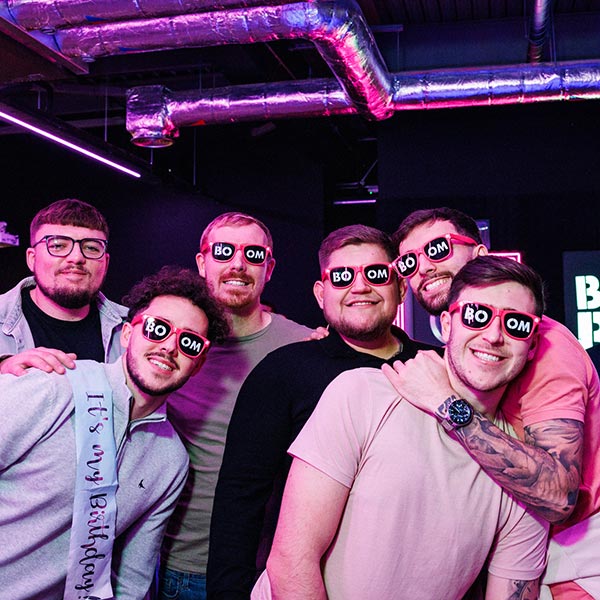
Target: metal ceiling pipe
{"type": "Point", "coordinates": [538, 31]}
{"type": "Point", "coordinates": [338, 30]}
{"type": "Point", "coordinates": [516, 84]}
{"type": "Point", "coordinates": [54, 14]}
{"type": "Point", "coordinates": [154, 114]}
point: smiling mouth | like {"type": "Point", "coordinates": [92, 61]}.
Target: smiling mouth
{"type": "Point", "coordinates": [362, 303]}
{"type": "Point", "coordinates": [486, 357]}
{"type": "Point", "coordinates": [236, 282]}
{"type": "Point", "coordinates": [163, 364]}
{"type": "Point", "coordinates": [433, 284]}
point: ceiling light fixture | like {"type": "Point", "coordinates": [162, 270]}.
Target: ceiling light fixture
{"type": "Point", "coordinates": [67, 139]}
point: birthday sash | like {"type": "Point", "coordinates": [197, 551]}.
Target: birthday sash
{"type": "Point", "coordinates": [94, 505]}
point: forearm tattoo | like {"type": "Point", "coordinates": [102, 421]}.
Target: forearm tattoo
{"type": "Point", "coordinates": [543, 472]}
{"type": "Point", "coordinates": [524, 590]}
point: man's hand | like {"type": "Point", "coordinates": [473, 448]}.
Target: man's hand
{"type": "Point", "coordinates": [45, 359]}
{"type": "Point", "coordinates": [318, 334]}
{"type": "Point", "coordinates": [422, 380]}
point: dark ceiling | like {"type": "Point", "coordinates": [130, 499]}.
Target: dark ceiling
{"type": "Point", "coordinates": [412, 36]}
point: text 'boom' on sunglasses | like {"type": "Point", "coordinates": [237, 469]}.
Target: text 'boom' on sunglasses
{"type": "Point", "coordinates": [253, 254]}
{"type": "Point", "coordinates": [157, 329]}
{"type": "Point", "coordinates": [515, 324]}
{"type": "Point", "coordinates": [436, 250]}
{"type": "Point", "coordinates": [343, 277]}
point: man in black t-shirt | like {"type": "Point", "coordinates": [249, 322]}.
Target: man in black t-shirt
{"type": "Point", "coordinates": [59, 314]}
{"type": "Point", "coordinates": [359, 293]}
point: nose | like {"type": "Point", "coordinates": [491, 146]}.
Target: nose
{"type": "Point", "coordinates": [360, 284]}
{"type": "Point", "coordinates": [76, 255]}
{"type": "Point", "coordinates": [493, 333]}
{"type": "Point", "coordinates": [237, 262]}
{"type": "Point", "coordinates": [169, 344]}
{"type": "Point", "coordinates": [425, 265]}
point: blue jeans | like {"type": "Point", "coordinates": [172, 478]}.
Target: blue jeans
{"type": "Point", "coordinates": [176, 585]}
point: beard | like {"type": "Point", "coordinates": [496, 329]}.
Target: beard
{"type": "Point", "coordinates": [69, 297]}
{"type": "Point", "coordinates": [434, 305]}
{"type": "Point", "coordinates": [368, 331]}
{"type": "Point", "coordinates": [137, 379]}
{"type": "Point", "coordinates": [232, 297]}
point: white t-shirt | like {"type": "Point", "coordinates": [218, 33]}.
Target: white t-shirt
{"type": "Point", "coordinates": [422, 518]}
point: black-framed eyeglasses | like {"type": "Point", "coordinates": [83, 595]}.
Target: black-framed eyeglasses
{"type": "Point", "coordinates": [343, 277]}
{"type": "Point", "coordinates": [253, 254]}
{"type": "Point", "coordinates": [62, 245]}
{"type": "Point", "coordinates": [157, 329]}
{"type": "Point", "coordinates": [436, 250]}
{"type": "Point", "coordinates": [515, 324]}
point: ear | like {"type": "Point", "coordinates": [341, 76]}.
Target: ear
{"type": "Point", "coordinates": [30, 258]}
{"type": "Point", "coordinates": [533, 347]}
{"type": "Point", "coordinates": [198, 365]}
{"type": "Point", "coordinates": [201, 265]}
{"type": "Point", "coordinates": [480, 250]}
{"type": "Point", "coordinates": [126, 334]}
{"type": "Point", "coordinates": [446, 325]}
{"type": "Point", "coordinates": [107, 257]}
{"type": "Point", "coordinates": [270, 267]}
{"type": "Point", "coordinates": [318, 292]}
{"type": "Point", "coordinates": [402, 288]}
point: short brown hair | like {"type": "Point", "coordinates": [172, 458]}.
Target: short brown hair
{"type": "Point", "coordinates": [484, 271]}
{"type": "Point", "coordinates": [236, 218]}
{"type": "Point", "coordinates": [463, 223]}
{"type": "Point", "coordinates": [353, 235]}
{"type": "Point", "coordinates": [69, 212]}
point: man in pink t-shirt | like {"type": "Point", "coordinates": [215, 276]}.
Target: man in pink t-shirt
{"type": "Point", "coordinates": [382, 501]}
{"type": "Point", "coordinates": [554, 407]}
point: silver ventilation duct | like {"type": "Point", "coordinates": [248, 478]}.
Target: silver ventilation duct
{"type": "Point", "coordinates": [538, 32]}
{"type": "Point", "coordinates": [154, 114]}
{"type": "Point", "coordinates": [57, 14]}
{"type": "Point", "coordinates": [337, 28]}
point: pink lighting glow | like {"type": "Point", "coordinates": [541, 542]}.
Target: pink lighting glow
{"type": "Point", "coordinates": [70, 145]}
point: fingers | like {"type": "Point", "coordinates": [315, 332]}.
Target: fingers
{"type": "Point", "coordinates": [318, 334]}
{"type": "Point", "coordinates": [44, 359]}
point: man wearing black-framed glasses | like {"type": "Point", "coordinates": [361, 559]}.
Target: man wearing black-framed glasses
{"type": "Point", "coordinates": [58, 314]}
{"type": "Point", "coordinates": [553, 466]}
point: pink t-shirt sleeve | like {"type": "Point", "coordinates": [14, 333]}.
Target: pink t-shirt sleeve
{"type": "Point", "coordinates": [555, 384]}
{"type": "Point", "coordinates": [519, 550]}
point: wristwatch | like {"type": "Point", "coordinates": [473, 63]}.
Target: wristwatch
{"type": "Point", "coordinates": [459, 413]}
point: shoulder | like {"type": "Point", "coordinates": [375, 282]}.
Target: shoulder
{"type": "Point", "coordinates": [410, 347]}
{"type": "Point", "coordinates": [112, 308]}
{"type": "Point", "coordinates": [361, 387]}
{"type": "Point", "coordinates": [38, 388]}
{"type": "Point", "coordinates": [11, 299]}
{"type": "Point", "coordinates": [558, 347]}
{"type": "Point", "coordinates": [282, 324]}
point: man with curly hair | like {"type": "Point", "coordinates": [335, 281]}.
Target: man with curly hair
{"type": "Point", "coordinates": [90, 468]}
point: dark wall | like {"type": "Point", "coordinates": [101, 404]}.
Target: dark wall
{"type": "Point", "coordinates": [532, 170]}
{"type": "Point", "coordinates": [156, 224]}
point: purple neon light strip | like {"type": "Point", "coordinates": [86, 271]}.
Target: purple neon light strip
{"type": "Point", "coordinates": [70, 145]}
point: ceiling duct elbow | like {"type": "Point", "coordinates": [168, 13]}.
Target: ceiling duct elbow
{"type": "Point", "coordinates": [148, 118]}
{"type": "Point", "coordinates": [337, 29]}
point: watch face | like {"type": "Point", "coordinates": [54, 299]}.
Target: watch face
{"type": "Point", "coordinates": [460, 412]}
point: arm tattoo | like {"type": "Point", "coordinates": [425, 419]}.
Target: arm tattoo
{"type": "Point", "coordinates": [524, 590]}
{"type": "Point", "coordinates": [543, 472]}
